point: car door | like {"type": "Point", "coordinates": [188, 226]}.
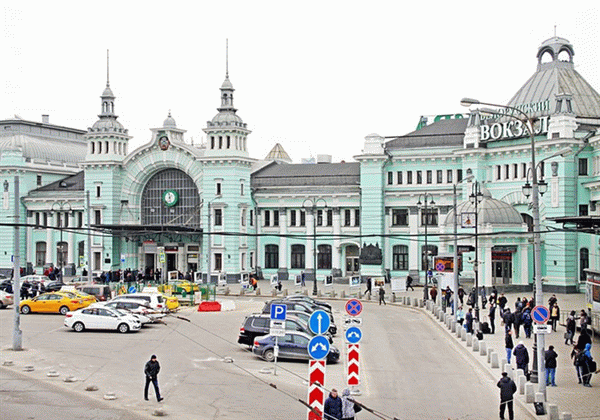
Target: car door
{"type": "Point", "coordinates": [107, 319]}
{"type": "Point", "coordinates": [286, 346]}
{"type": "Point", "coordinates": [40, 303]}
{"type": "Point", "coordinates": [300, 346]}
{"type": "Point", "coordinates": [89, 317]}
{"type": "Point", "coordinates": [53, 303]}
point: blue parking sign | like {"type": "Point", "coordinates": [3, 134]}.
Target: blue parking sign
{"type": "Point", "coordinates": [278, 311]}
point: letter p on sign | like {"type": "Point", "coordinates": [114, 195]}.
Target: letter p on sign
{"type": "Point", "coordinates": [278, 311]}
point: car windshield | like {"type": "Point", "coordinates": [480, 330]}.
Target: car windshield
{"type": "Point", "coordinates": [120, 311]}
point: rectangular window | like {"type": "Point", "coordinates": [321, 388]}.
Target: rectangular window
{"type": "Point", "coordinates": [583, 209]}
{"type": "Point", "coordinates": [498, 172]}
{"type": "Point", "coordinates": [98, 191]}
{"type": "Point", "coordinates": [45, 219]}
{"type": "Point", "coordinates": [324, 257]}
{"type": "Point", "coordinates": [329, 217]}
{"type": "Point", "coordinates": [39, 180]}
{"type": "Point", "coordinates": [430, 217]}
{"type": "Point", "coordinates": [218, 217]}
{"type": "Point", "coordinates": [275, 217]}
{"type": "Point", "coordinates": [357, 217]}
{"type": "Point", "coordinates": [542, 168]}
{"type": "Point", "coordinates": [242, 188]}
{"type": "Point", "coordinates": [347, 219]}
{"type": "Point", "coordinates": [419, 177]}
{"type": "Point", "coordinates": [292, 217]}
{"type": "Point", "coordinates": [243, 218]}
{"type": "Point", "coordinates": [449, 176]}
{"type": "Point", "coordinates": [439, 176]}
{"type": "Point", "coordinates": [506, 171]}
{"type": "Point", "coordinates": [37, 219]}
{"type": "Point", "coordinates": [400, 257]}
{"type": "Point", "coordinates": [218, 192]}
{"type": "Point", "coordinates": [297, 257]}
{"type": "Point", "coordinates": [429, 177]}
{"type": "Point", "coordinates": [267, 218]}
{"type": "Point", "coordinates": [302, 218]}
{"type": "Point", "coordinates": [243, 261]}
{"type": "Point", "coordinates": [583, 166]}
{"type": "Point", "coordinates": [218, 261]}
{"type": "Point", "coordinates": [409, 177]}
{"type": "Point", "coordinates": [40, 254]}
{"type": "Point", "coordinates": [58, 220]}
{"type": "Point", "coordinates": [523, 170]}
{"type": "Point", "coordinates": [319, 217]}
{"type": "Point", "coordinates": [390, 178]}
{"type": "Point", "coordinates": [229, 142]}
{"type": "Point", "coordinates": [97, 217]}
{"type": "Point", "coordinates": [399, 217]}
{"type": "Point", "coordinates": [271, 256]}
{"type": "Point", "coordinates": [458, 175]}
{"type": "Point", "coordinates": [515, 171]}
{"type": "Point", "coordinates": [251, 217]}
{"type": "Point", "coordinates": [399, 177]}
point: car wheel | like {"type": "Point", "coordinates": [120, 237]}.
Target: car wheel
{"type": "Point", "coordinates": [78, 327]}
{"type": "Point", "coordinates": [63, 310]}
{"type": "Point", "coordinates": [25, 309]}
{"type": "Point", "coordinates": [269, 355]}
{"type": "Point", "coordinates": [123, 328]}
{"type": "Point", "coordinates": [2, 306]}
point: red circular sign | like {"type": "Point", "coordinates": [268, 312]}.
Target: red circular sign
{"type": "Point", "coordinates": [354, 307]}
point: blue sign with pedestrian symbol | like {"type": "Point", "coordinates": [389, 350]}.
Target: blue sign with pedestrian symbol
{"type": "Point", "coordinates": [319, 322]}
{"type": "Point", "coordinates": [278, 312]}
{"type": "Point", "coordinates": [540, 314]}
{"type": "Point", "coordinates": [318, 347]}
{"type": "Point", "coordinates": [353, 335]}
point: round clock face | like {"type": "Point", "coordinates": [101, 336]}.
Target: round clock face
{"type": "Point", "coordinates": [170, 197]}
{"type": "Point", "coordinates": [163, 143]}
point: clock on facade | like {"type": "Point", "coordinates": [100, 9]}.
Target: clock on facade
{"type": "Point", "coordinates": [170, 198]}
{"type": "Point", "coordinates": [163, 142]}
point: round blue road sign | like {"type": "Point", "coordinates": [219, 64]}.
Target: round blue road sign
{"type": "Point", "coordinates": [353, 335]}
{"type": "Point", "coordinates": [540, 314]}
{"type": "Point", "coordinates": [318, 347]}
{"type": "Point", "coordinates": [354, 307]}
{"type": "Point", "coordinates": [319, 322]}
{"type": "Point", "coordinates": [132, 289]}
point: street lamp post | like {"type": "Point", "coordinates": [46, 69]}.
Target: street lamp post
{"type": "Point", "coordinates": [528, 123]}
{"type": "Point", "coordinates": [313, 209]}
{"type": "Point", "coordinates": [59, 207]}
{"type": "Point", "coordinates": [475, 198]}
{"type": "Point", "coordinates": [455, 262]}
{"type": "Point", "coordinates": [426, 212]}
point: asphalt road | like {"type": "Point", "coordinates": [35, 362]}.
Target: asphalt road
{"type": "Point", "coordinates": [410, 369]}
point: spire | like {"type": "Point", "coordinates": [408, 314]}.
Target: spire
{"type": "Point", "coordinates": [227, 58]}
{"type": "Point", "coordinates": [107, 68]}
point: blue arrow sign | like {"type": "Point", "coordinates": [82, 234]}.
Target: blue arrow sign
{"type": "Point", "coordinates": [319, 322]}
{"type": "Point", "coordinates": [318, 347]}
{"type": "Point", "coordinates": [278, 312]}
{"type": "Point", "coordinates": [353, 335]}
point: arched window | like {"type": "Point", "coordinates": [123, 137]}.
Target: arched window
{"type": "Point", "coordinates": [400, 257]}
{"type": "Point", "coordinates": [272, 256]}
{"type": "Point", "coordinates": [185, 211]}
{"type": "Point", "coordinates": [324, 257]}
{"type": "Point", "coordinates": [584, 262]}
{"type": "Point", "coordinates": [433, 251]}
{"type": "Point", "coordinates": [298, 256]}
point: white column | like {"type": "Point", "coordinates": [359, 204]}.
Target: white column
{"type": "Point", "coordinates": [487, 268]}
{"type": "Point", "coordinates": [283, 248]}
{"type": "Point", "coordinates": [310, 230]}
{"type": "Point", "coordinates": [524, 273]}
{"type": "Point", "coordinates": [50, 246]}
{"type": "Point", "coordinates": [387, 257]}
{"type": "Point", "coordinates": [260, 250]}
{"type": "Point", "coordinates": [414, 253]}
{"type": "Point", "coordinates": [336, 258]}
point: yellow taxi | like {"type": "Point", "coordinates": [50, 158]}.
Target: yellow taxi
{"type": "Point", "coordinates": [171, 302]}
{"type": "Point", "coordinates": [179, 285]}
{"type": "Point", "coordinates": [86, 298]}
{"type": "Point", "coordinates": [54, 302]}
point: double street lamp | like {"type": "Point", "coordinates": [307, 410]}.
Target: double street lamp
{"type": "Point", "coordinates": [528, 122]}
{"type": "Point", "coordinates": [425, 220]}
{"type": "Point", "coordinates": [313, 204]}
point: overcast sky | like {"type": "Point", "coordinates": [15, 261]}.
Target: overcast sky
{"type": "Point", "coordinates": [315, 76]}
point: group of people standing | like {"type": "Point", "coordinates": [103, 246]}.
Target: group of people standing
{"type": "Point", "coordinates": [340, 408]}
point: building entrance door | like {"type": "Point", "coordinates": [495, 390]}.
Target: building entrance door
{"type": "Point", "coordinates": [150, 261]}
{"type": "Point", "coordinates": [171, 262]}
{"type": "Point", "coordinates": [501, 267]}
{"type": "Point", "coordinates": [352, 264]}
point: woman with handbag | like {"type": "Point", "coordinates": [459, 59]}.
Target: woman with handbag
{"type": "Point", "coordinates": [349, 407]}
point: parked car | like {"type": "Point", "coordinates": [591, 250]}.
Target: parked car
{"type": "Point", "coordinates": [178, 285]}
{"type": "Point", "coordinates": [54, 286]}
{"type": "Point", "coordinates": [135, 306]}
{"type": "Point", "coordinates": [303, 298]}
{"type": "Point", "coordinates": [101, 319]}
{"type": "Point", "coordinates": [55, 302]}
{"type": "Point", "coordinates": [6, 299]}
{"type": "Point", "coordinates": [36, 278]}
{"type": "Point", "coordinates": [85, 297]}
{"type": "Point", "coordinates": [155, 300]}
{"type": "Point", "coordinates": [293, 345]}
{"type": "Point", "coordinates": [260, 324]}
{"type": "Point", "coordinates": [100, 291]}
{"type": "Point", "coordinates": [295, 305]}
{"type": "Point", "coordinates": [84, 279]}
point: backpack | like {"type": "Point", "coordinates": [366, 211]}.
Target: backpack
{"type": "Point", "coordinates": [526, 318]}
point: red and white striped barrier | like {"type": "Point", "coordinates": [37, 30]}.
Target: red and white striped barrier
{"type": "Point", "coordinates": [353, 364]}
{"type": "Point", "coordinates": [316, 394]}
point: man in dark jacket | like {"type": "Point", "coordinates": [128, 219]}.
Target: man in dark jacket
{"type": "Point", "coordinates": [502, 301]}
{"type": "Point", "coordinates": [522, 358]}
{"type": "Point", "coordinates": [508, 318]}
{"type": "Point", "coordinates": [151, 371]}
{"type": "Point", "coordinates": [333, 406]}
{"type": "Point", "coordinates": [550, 357]}
{"type": "Point", "coordinates": [507, 390]}
{"type": "Point", "coordinates": [492, 315]}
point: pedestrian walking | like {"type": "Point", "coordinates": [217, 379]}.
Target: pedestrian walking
{"type": "Point", "coordinates": [433, 293]}
{"type": "Point", "coordinates": [527, 322]}
{"type": "Point", "coordinates": [333, 406]}
{"type": "Point", "coordinates": [369, 286]}
{"type": "Point", "coordinates": [507, 318]}
{"type": "Point", "coordinates": [492, 316]}
{"type": "Point", "coordinates": [554, 315]}
{"type": "Point", "coordinates": [550, 357]}
{"type": "Point", "coordinates": [508, 345]}
{"type": "Point", "coordinates": [303, 279]}
{"type": "Point", "coordinates": [587, 364]}
{"type": "Point", "coordinates": [502, 301]}
{"type": "Point", "coordinates": [461, 294]}
{"type": "Point", "coordinates": [409, 281]}
{"type": "Point", "coordinates": [381, 295]}
{"type": "Point", "coordinates": [494, 295]}
{"type": "Point", "coordinates": [571, 327]}
{"type": "Point", "coordinates": [448, 297]}
{"type": "Point", "coordinates": [507, 391]}
{"type": "Point", "coordinates": [469, 320]}
{"type": "Point", "coordinates": [151, 371]}
{"type": "Point", "coordinates": [522, 358]}
{"type": "Point", "coordinates": [583, 320]}
{"type": "Point", "coordinates": [483, 297]}
{"type": "Point", "coordinates": [349, 407]}
{"type": "Point", "coordinates": [517, 317]}
{"type": "Point", "coordinates": [552, 301]}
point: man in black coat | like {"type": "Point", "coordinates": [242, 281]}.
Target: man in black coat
{"type": "Point", "coordinates": [333, 406]}
{"type": "Point", "coordinates": [151, 371]}
{"type": "Point", "coordinates": [522, 358]}
{"type": "Point", "coordinates": [507, 390]}
{"type": "Point", "coordinates": [492, 316]}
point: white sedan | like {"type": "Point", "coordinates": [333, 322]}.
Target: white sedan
{"type": "Point", "coordinates": [102, 319]}
{"type": "Point", "coordinates": [6, 299]}
{"type": "Point", "coordinates": [137, 308]}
